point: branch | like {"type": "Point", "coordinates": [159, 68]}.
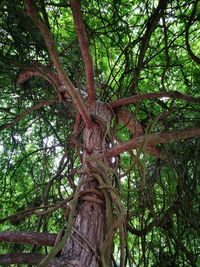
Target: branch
{"type": "Point", "coordinates": [39, 239]}
{"type": "Point", "coordinates": [29, 259]}
{"type": "Point", "coordinates": [140, 97]}
{"type": "Point", "coordinates": [130, 121]}
{"type": "Point", "coordinates": [153, 139]}
{"type": "Point", "coordinates": [157, 222]}
{"type": "Point", "coordinates": [164, 219]}
{"type": "Point", "coordinates": [151, 26]}
{"type": "Point", "coordinates": [76, 98]}
{"type": "Point", "coordinates": [39, 70]}
{"type": "Point", "coordinates": [83, 41]}
{"type": "Point", "coordinates": [136, 129]}
{"type": "Point", "coordinates": [28, 111]}
{"type": "Point", "coordinates": [20, 258]}
{"type": "Point", "coordinates": [35, 210]}
{"type": "Point", "coordinates": [190, 52]}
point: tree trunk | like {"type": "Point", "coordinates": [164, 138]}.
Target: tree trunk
{"type": "Point", "coordinates": [88, 233]}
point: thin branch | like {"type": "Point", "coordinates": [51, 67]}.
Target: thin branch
{"type": "Point", "coordinates": [33, 238]}
{"type": "Point", "coordinates": [22, 214]}
{"type": "Point", "coordinates": [163, 219]}
{"type": "Point", "coordinates": [44, 13]}
{"type": "Point", "coordinates": [151, 26]}
{"type": "Point", "coordinates": [76, 98]}
{"type": "Point", "coordinates": [28, 111]}
{"type": "Point", "coordinates": [140, 97]}
{"type": "Point", "coordinates": [153, 139]}
{"type": "Point", "coordinates": [190, 52]}
{"type": "Point", "coordinates": [36, 210]}
{"type": "Point", "coordinates": [84, 45]}
{"type": "Point", "coordinates": [157, 222]}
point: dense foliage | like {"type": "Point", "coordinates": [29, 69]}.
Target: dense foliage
{"type": "Point", "coordinates": [137, 47]}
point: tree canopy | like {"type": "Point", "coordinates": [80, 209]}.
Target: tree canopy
{"type": "Point", "coordinates": [141, 59]}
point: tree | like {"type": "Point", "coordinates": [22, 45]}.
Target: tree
{"type": "Point", "coordinates": [99, 133]}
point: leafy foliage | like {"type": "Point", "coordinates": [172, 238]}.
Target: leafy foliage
{"type": "Point", "coordinates": [39, 165]}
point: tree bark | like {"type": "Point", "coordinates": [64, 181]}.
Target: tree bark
{"type": "Point", "coordinates": [33, 238]}
{"type": "Point", "coordinates": [88, 233]}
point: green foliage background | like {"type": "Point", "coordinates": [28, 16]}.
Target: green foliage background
{"type": "Point", "coordinates": [38, 166]}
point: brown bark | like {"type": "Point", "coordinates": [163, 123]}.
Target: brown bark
{"type": "Point", "coordinates": [89, 225]}
{"type": "Point", "coordinates": [40, 239]}
{"type": "Point", "coordinates": [20, 258]}
{"type": "Point", "coordinates": [136, 129]}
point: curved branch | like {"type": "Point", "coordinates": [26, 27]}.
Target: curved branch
{"type": "Point", "coordinates": [157, 222]}
{"type": "Point", "coordinates": [136, 129]}
{"type": "Point", "coordinates": [36, 69]}
{"type": "Point", "coordinates": [28, 111]}
{"type": "Point", "coordinates": [153, 139]}
{"type": "Point", "coordinates": [39, 70]}
{"type": "Point", "coordinates": [151, 26]}
{"type": "Point", "coordinates": [190, 52]}
{"type": "Point", "coordinates": [36, 210]}
{"type": "Point", "coordinates": [83, 41]}
{"type": "Point", "coordinates": [140, 97]}
{"type": "Point", "coordinates": [76, 98]}
{"type": "Point", "coordinates": [33, 238]}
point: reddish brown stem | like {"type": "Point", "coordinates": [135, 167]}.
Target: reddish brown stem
{"type": "Point", "coordinates": [39, 239]}
{"type": "Point", "coordinates": [130, 121]}
{"type": "Point", "coordinates": [140, 97]}
{"type": "Point", "coordinates": [40, 70]}
{"type": "Point", "coordinates": [153, 139]}
{"type": "Point", "coordinates": [84, 45]}
{"type": "Point", "coordinates": [134, 126]}
{"type": "Point", "coordinates": [76, 98]}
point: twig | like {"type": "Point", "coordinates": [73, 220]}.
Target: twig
{"type": "Point", "coordinates": [28, 111]}
{"type": "Point", "coordinates": [190, 52]}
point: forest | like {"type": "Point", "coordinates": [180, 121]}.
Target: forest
{"type": "Point", "coordinates": [100, 133]}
